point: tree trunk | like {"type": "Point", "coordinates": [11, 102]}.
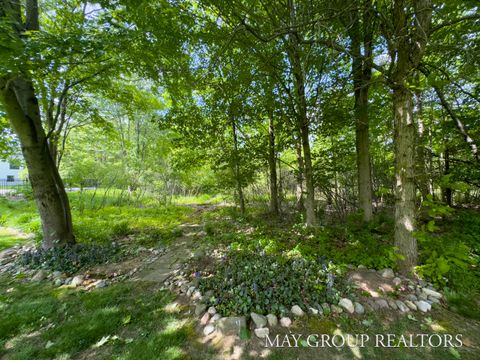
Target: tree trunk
{"type": "Point", "coordinates": [404, 179]}
{"type": "Point", "coordinates": [272, 164]}
{"type": "Point", "coordinates": [421, 174]}
{"type": "Point", "coordinates": [293, 52]}
{"type": "Point", "coordinates": [363, 153]}
{"type": "Point", "coordinates": [22, 110]}
{"type": "Point", "coordinates": [447, 191]}
{"type": "Point", "coordinates": [299, 205]}
{"type": "Point", "coordinates": [236, 169]}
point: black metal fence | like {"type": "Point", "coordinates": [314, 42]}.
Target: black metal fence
{"type": "Point", "coordinates": [12, 187]}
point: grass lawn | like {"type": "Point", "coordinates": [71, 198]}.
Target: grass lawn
{"type": "Point", "coordinates": [135, 321]}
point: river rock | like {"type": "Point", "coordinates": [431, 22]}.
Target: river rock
{"type": "Point", "coordinates": [272, 320]}
{"type": "Point", "coordinates": [285, 322]}
{"type": "Point", "coordinates": [387, 273]}
{"type": "Point", "coordinates": [359, 309]}
{"type": "Point", "coordinates": [297, 311]}
{"type": "Point", "coordinates": [259, 320]}
{"type": "Point", "coordinates": [347, 305]}
{"type": "Point", "coordinates": [262, 332]}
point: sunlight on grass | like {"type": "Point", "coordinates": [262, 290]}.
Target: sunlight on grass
{"type": "Point", "coordinates": [9, 238]}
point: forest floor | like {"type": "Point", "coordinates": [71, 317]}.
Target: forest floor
{"type": "Point", "coordinates": [141, 319]}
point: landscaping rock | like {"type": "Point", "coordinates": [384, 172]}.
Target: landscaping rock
{"type": "Point", "coordinates": [272, 320]}
{"type": "Point", "coordinates": [423, 306]}
{"type": "Point", "coordinates": [77, 281]}
{"type": "Point", "coordinates": [412, 297]}
{"type": "Point", "coordinates": [231, 325]}
{"type": "Point", "coordinates": [347, 305]}
{"type": "Point", "coordinates": [205, 318]}
{"type": "Point", "coordinates": [373, 305]}
{"type": "Point", "coordinates": [382, 303]}
{"type": "Point", "coordinates": [207, 330]}
{"type": "Point", "coordinates": [100, 284]}
{"type": "Point", "coordinates": [313, 311]}
{"type": "Point", "coordinates": [359, 309]}
{"type": "Point", "coordinates": [410, 305]}
{"type": "Point", "coordinates": [259, 320]}
{"type": "Point", "coordinates": [212, 310]}
{"type": "Point", "coordinates": [200, 309]}
{"type": "Point", "coordinates": [262, 332]}
{"type": "Point", "coordinates": [387, 273]}
{"type": "Point", "coordinates": [285, 322]}
{"type": "Point", "coordinates": [197, 295]}
{"type": "Point", "coordinates": [392, 304]}
{"type": "Point", "coordinates": [190, 291]}
{"type": "Point", "coordinates": [434, 300]}
{"type": "Point", "coordinates": [432, 293]}
{"type": "Point", "coordinates": [401, 306]}
{"type": "Point", "coordinates": [57, 274]}
{"type": "Point", "coordinates": [215, 318]}
{"type": "Point", "coordinates": [297, 311]}
{"type": "Point", "coordinates": [397, 281]}
{"type": "Point", "coordinates": [40, 275]}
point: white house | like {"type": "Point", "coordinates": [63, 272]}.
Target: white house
{"type": "Point", "coordinates": [10, 172]}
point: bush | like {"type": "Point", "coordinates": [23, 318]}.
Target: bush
{"type": "Point", "coordinates": [246, 282]}
{"type": "Point", "coordinates": [70, 259]}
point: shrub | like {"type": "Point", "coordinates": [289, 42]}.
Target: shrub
{"type": "Point", "coordinates": [70, 259]}
{"type": "Point", "coordinates": [246, 282]}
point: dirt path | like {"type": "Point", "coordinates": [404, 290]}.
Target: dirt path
{"type": "Point", "coordinates": [182, 249]}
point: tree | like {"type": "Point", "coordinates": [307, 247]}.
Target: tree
{"type": "Point", "coordinates": [20, 100]}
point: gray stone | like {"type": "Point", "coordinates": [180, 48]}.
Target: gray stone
{"type": "Point", "coordinates": [272, 320]}
{"type": "Point", "coordinates": [190, 291]}
{"type": "Point", "coordinates": [100, 284]}
{"type": "Point", "coordinates": [212, 310]}
{"type": "Point", "coordinates": [412, 297]}
{"type": "Point", "coordinates": [57, 274]}
{"type": "Point", "coordinates": [387, 273]}
{"type": "Point", "coordinates": [200, 309]}
{"type": "Point", "coordinates": [410, 305]}
{"type": "Point", "coordinates": [347, 305]}
{"type": "Point", "coordinates": [401, 306]}
{"type": "Point", "coordinates": [40, 275]}
{"type": "Point", "coordinates": [260, 321]}
{"type": "Point", "coordinates": [77, 281]}
{"type": "Point", "coordinates": [320, 309]}
{"type": "Point", "coordinates": [261, 332]}
{"type": "Point", "coordinates": [359, 309]}
{"type": "Point", "coordinates": [285, 322]}
{"type": "Point", "coordinates": [215, 318]}
{"type": "Point", "coordinates": [423, 296]}
{"type": "Point", "coordinates": [231, 325]}
{"type": "Point", "coordinates": [423, 306]}
{"type": "Point", "coordinates": [392, 304]}
{"type": "Point", "coordinates": [207, 330]}
{"type": "Point", "coordinates": [397, 281]}
{"type": "Point", "coordinates": [197, 295]}
{"type": "Point", "coordinates": [373, 304]}
{"type": "Point", "coordinates": [382, 303]}
{"type": "Point", "coordinates": [434, 300]}
{"type": "Point", "coordinates": [313, 311]}
{"type": "Point", "coordinates": [58, 282]}
{"type": "Point", "coordinates": [361, 266]}
{"type": "Point", "coordinates": [432, 293]}
{"type": "Point", "coordinates": [297, 311]}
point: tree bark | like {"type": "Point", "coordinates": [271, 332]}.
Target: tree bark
{"type": "Point", "coordinates": [404, 179]}
{"type": "Point", "coordinates": [299, 205]}
{"type": "Point", "coordinates": [236, 168]}
{"type": "Point", "coordinates": [421, 173]}
{"type": "Point", "coordinates": [272, 165]}
{"type": "Point", "coordinates": [21, 106]}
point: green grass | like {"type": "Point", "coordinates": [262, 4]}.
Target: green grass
{"type": "Point", "coordinates": [98, 221]}
{"type": "Point", "coordinates": [73, 322]}
{"type": "Point", "coordinates": [9, 238]}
